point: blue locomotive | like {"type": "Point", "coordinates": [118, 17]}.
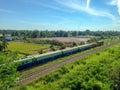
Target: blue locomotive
{"type": "Point", "coordinates": [43, 58]}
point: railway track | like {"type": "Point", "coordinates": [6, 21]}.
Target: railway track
{"type": "Point", "coordinates": [33, 75]}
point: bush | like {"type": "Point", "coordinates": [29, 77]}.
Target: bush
{"type": "Point", "coordinates": [23, 88]}
{"type": "Point", "coordinates": [52, 77]}
{"type": "Point", "coordinates": [63, 70]}
{"type": "Point", "coordinates": [40, 52]}
{"type": "Point", "coordinates": [62, 47]}
{"type": "Point", "coordinates": [52, 48]}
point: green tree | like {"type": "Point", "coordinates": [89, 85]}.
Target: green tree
{"type": "Point", "coordinates": [1, 48]}
{"type": "Point", "coordinates": [4, 43]}
{"type": "Point", "coordinates": [35, 34]}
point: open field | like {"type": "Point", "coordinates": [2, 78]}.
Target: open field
{"type": "Point", "coordinates": [92, 72]}
{"type": "Point", "coordinates": [67, 39]}
{"type": "Point", "coordinates": [28, 48]}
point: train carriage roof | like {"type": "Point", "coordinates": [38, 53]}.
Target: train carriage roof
{"type": "Point", "coordinates": [49, 53]}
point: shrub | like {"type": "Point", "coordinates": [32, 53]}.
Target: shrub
{"type": "Point", "coordinates": [40, 51]}
{"type": "Point", "coordinates": [23, 88]}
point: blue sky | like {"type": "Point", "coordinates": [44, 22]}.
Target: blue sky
{"type": "Point", "coordinates": [60, 14]}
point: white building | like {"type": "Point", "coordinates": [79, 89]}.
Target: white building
{"type": "Point", "coordinates": [8, 37]}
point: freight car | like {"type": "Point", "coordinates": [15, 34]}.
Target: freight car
{"type": "Point", "coordinates": [43, 58]}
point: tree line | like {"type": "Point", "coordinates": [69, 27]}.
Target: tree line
{"type": "Point", "coordinates": [58, 33]}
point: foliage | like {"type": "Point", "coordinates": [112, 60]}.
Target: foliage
{"type": "Point", "coordinates": [58, 33]}
{"type": "Point", "coordinates": [55, 42]}
{"type": "Point", "coordinates": [62, 47]}
{"type": "Point", "coordinates": [74, 44]}
{"type": "Point", "coordinates": [8, 72]}
{"type": "Point", "coordinates": [40, 51]}
{"type": "Point", "coordinates": [3, 44]}
{"type": "Point", "coordinates": [115, 76]}
{"type": "Point", "coordinates": [8, 56]}
{"type": "Point", "coordinates": [52, 48]}
{"type": "Point", "coordinates": [8, 76]}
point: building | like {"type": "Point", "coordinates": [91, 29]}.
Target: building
{"type": "Point", "coordinates": [8, 37]}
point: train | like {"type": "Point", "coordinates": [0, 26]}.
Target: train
{"type": "Point", "coordinates": [46, 57]}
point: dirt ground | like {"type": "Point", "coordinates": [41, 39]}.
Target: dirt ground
{"type": "Point", "coordinates": [67, 39]}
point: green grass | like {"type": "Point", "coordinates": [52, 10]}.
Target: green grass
{"type": "Point", "coordinates": [91, 73]}
{"type": "Point", "coordinates": [16, 50]}
{"type": "Point", "coordinates": [7, 56]}
{"type": "Point", "coordinates": [28, 48]}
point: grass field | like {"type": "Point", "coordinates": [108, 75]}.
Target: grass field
{"type": "Point", "coordinates": [99, 71]}
{"type": "Point", "coordinates": [28, 48]}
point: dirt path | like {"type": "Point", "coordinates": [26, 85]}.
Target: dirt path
{"type": "Point", "coordinates": [33, 75]}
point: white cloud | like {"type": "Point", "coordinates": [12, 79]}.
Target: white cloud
{"type": "Point", "coordinates": [6, 11]}
{"type": "Point", "coordinates": [117, 25]}
{"type": "Point", "coordinates": [88, 3]}
{"type": "Point", "coordinates": [39, 3]}
{"type": "Point", "coordinates": [115, 3]}
{"type": "Point", "coordinates": [76, 6]}
{"type": "Point", "coordinates": [118, 5]}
